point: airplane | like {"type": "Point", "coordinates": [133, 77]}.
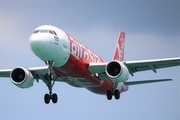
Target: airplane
{"type": "Point", "coordinates": [67, 60]}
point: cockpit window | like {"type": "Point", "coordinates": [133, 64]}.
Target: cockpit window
{"type": "Point", "coordinates": [50, 32]}
{"type": "Point", "coordinates": [36, 31]}
{"type": "Point", "coordinates": [43, 31]}
{"type": "Point", "coordinates": [54, 33]}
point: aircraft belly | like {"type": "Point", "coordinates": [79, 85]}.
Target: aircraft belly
{"type": "Point", "coordinates": [79, 82]}
{"type": "Point", "coordinates": [76, 79]}
{"type": "Point", "coordinates": [76, 74]}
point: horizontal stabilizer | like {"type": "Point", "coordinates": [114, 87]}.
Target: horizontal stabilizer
{"type": "Point", "coordinates": [145, 81]}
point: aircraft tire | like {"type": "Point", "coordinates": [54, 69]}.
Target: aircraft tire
{"type": "Point", "coordinates": [54, 98]}
{"type": "Point", "coordinates": [47, 98]}
{"type": "Point", "coordinates": [117, 94]}
{"type": "Point", "coordinates": [109, 94]}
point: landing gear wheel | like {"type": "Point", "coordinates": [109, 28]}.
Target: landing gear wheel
{"type": "Point", "coordinates": [54, 98]}
{"type": "Point", "coordinates": [47, 98]}
{"type": "Point", "coordinates": [109, 94]}
{"type": "Point", "coordinates": [117, 94]}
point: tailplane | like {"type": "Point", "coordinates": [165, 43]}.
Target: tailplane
{"type": "Point", "coordinates": [119, 50]}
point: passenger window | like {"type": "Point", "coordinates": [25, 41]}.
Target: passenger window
{"type": "Point", "coordinates": [36, 31]}
{"type": "Point", "coordinates": [54, 33]}
{"type": "Point", "coordinates": [43, 31]}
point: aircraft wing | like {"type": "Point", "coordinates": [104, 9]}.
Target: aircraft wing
{"type": "Point", "coordinates": [5, 73]}
{"type": "Point", "coordinates": [137, 66]}
{"type": "Point", "coordinates": [37, 72]}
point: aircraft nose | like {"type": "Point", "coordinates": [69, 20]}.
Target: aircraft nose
{"type": "Point", "coordinates": [45, 46]}
{"type": "Point", "coordinates": [38, 41]}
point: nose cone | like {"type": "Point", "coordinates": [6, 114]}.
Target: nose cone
{"type": "Point", "coordinates": [39, 41]}
{"type": "Point", "coordinates": [41, 45]}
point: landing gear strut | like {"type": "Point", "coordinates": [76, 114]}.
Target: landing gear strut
{"type": "Point", "coordinates": [112, 92]}
{"type": "Point", "coordinates": [50, 82]}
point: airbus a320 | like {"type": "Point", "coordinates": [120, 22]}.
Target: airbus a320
{"type": "Point", "coordinates": [67, 60]}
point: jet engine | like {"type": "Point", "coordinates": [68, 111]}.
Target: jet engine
{"type": "Point", "coordinates": [22, 77]}
{"type": "Point", "coordinates": [117, 71]}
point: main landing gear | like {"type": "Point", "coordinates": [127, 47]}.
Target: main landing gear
{"type": "Point", "coordinates": [50, 82]}
{"type": "Point", "coordinates": [112, 92]}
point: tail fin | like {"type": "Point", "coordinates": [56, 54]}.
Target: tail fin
{"type": "Point", "coordinates": [119, 50]}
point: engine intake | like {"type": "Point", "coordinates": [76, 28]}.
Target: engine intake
{"type": "Point", "coordinates": [117, 71]}
{"type": "Point", "coordinates": [22, 77]}
{"type": "Point", "coordinates": [113, 68]}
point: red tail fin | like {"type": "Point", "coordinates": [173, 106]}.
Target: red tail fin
{"type": "Point", "coordinates": [119, 50]}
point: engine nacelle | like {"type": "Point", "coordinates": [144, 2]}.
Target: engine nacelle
{"type": "Point", "coordinates": [117, 71]}
{"type": "Point", "coordinates": [22, 77]}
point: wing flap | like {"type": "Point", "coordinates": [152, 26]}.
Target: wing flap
{"type": "Point", "coordinates": [145, 81]}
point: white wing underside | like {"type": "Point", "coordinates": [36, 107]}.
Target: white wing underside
{"type": "Point", "coordinates": [37, 72]}
{"type": "Point", "coordinates": [138, 66]}
{"type": "Point", "coordinates": [99, 69]}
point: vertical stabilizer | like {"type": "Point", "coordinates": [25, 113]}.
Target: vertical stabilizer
{"type": "Point", "coordinates": [119, 50]}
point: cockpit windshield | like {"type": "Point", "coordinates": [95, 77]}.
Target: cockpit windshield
{"type": "Point", "coordinates": [45, 31]}
{"type": "Point", "coordinates": [36, 31]}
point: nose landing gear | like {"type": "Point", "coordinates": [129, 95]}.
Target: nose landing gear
{"type": "Point", "coordinates": [50, 82]}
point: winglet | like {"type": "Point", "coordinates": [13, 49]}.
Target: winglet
{"type": "Point", "coordinates": [119, 50]}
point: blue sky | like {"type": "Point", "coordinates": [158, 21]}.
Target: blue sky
{"type": "Point", "coordinates": [152, 31]}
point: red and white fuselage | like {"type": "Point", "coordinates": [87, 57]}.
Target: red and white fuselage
{"type": "Point", "coordinates": [70, 59]}
{"type": "Point", "coordinates": [71, 62]}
